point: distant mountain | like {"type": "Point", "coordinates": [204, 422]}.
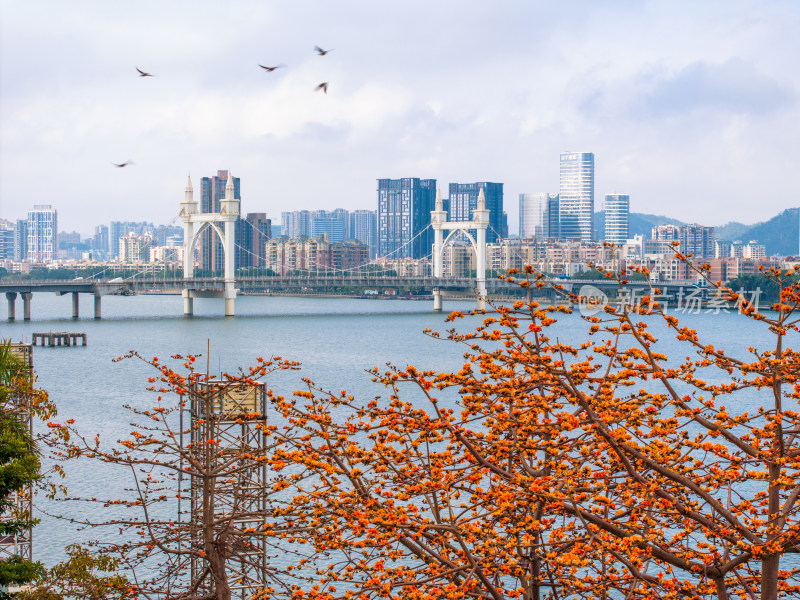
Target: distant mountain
{"type": "Point", "coordinates": [638, 223]}
{"type": "Point", "coordinates": [730, 231]}
{"type": "Point", "coordinates": [780, 235]}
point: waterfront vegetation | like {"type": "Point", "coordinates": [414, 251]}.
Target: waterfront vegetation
{"type": "Point", "coordinates": [19, 460]}
{"type": "Point", "coordinates": [542, 468]}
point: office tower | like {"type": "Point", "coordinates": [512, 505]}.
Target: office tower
{"type": "Point", "coordinates": [252, 234]}
{"type": "Point", "coordinates": [6, 240]}
{"type": "Point", "coordinates": [335, 224]}
{"type": "Point", "coordinates": [617, 208]}
{"type": "Point", "coordinates": [404, 216]}
{"type": "Point", "coordinates": [364, 229]}
{"type": "Point", "coordinates": [21, 240]}
{"type": "Point", "coordinates": [538, 216]}
{"type": "Point", "coordinates": [42, 233]}
{"type": "Point", "coordinates": [212, 256]}
{"type": "Point", "coordinates": [576, 196]}
{"type": "Point", "coordinates": [464, 200]}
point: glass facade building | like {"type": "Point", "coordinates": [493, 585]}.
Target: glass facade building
{"type": "Point", "coordinates": [404, 216]}
{"type": "Point", "coordinates": [576, 196]}
{"type": "Point", "coordinates": [617, 208]}
{"type": "Point", "coordinates": [538, 216]}
{"type": "Point", "coordinates": [464, 200]}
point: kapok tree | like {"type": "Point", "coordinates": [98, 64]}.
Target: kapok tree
{"type": "Point", "coordinates": [185, 520]}
{"type": "Point", "coordinates": [595, 469]}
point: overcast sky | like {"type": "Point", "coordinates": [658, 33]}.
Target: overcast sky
{"type": "Point", "coordinates": [692, 108]}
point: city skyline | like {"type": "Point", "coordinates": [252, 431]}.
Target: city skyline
{"type": "Point", "coordinates": [692, 110]}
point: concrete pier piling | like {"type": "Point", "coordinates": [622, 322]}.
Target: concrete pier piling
{"type": "Point", "coordinates": [60, 338]}
{"type": "Point", "coordinates": [12, 301]}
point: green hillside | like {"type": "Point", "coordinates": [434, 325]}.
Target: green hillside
{"type": "Point", "coordinates": [780, 235]}
{"type": "Point", "coordinates": [638, 223]}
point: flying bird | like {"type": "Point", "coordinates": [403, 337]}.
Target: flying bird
{"type": "Point", "coordinates": [322, 86]}
{"type": "Point", "coordinates": [143, 73]}
{"type": "Point", "coordinates": [320, 51]}
{"type": "Point", "coordinates": [270, 69]}
{"type": "Point", "coordinates": [121, 165]}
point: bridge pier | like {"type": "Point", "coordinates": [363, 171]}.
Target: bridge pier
{"type": "Point", "coordinates": [437, 300]}
{"type": "Point", "coordinates": [97, 306]}
{"type": "Point", "coordinates": [74, 305]}
{"type": "Point", "coordinates": [26, 305]}
{"type": "Point", "coordinates": [12, 303]}
{"type": "Point", "coordinates": [188, 303]}
{"type": "Point", "coordinates": [230, 298]}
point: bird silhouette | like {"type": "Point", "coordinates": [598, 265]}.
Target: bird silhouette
{"type": "Point", "coordinates": [322, 86]}
{"type": "Point", "coordinates": [271, 69]}
{"type": "Point", "coordinates": [320, 51]}
{"type": "Point", "coordinates": [121, 165]}
{"type": "Point", "coordinates": [143, 73]}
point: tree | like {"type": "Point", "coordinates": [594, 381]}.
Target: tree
{"type": "Point", "coordinates": [82, 575]}
{"type": "Point", "coordinates": [167, 550]}
{"type": "Point", "coordinates": [539, 469]}
{"type": "Point", "coordinates": [19, 457]}
{"type": "Point", "coordinates": [602, 469]}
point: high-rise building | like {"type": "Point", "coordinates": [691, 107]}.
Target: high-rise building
{"type": "Point", "coordinates": [697, 240]}
{"type": "Point", "coordinates": [252, 234]}
{"type": "Point", "coordinates": [21, 240]}
{"type": "Point", "coordinates": [119, 228]}
{"type": "Point", "coordinates": [364, 228]}
{"type": "Point", "coordinates": [665, 233]}
{"type": "Point", "coordinates": [100, 240]}
{"type": "Point", "coordinates": [335, 224]}
{"type": "Point", "coordinates": [212, 256]}
{"type": "Point", "coordinates": [296, 224]}
{"type": "Point", "coordinates": [538, 216]}
{"type": "Point", "coordinates": [464, 200]}
{"type": "Point", "coordinates": [617, 208]}
{"type": "Point", "coordinates": [42, 233]}
{"type": "Point", "coordinates": [694, 239]}
{"type": "Point", "coordinates": [6, 240]}
{"type": "Point", "coordinates": [576, 196]}
{"type": "Point", "coordinates": [404, 216]}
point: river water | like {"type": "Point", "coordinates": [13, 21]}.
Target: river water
{"type": "Point", "coordinates": [335, 339]}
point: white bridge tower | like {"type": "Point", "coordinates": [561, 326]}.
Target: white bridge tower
{"type": "Point", "coordinates": [226, 217]}
{"type": "Point", "coordinates": [480, 222]}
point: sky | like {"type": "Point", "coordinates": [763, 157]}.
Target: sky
{"type": "Point", "coordinates": [692, 108]}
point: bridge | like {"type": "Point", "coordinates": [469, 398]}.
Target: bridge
{"type": "Point", "coordinates": [353, 283]}
{"type": "Point", "coordinates": [359, 280]}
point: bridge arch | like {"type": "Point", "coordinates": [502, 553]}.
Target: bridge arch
{"type": "Point", "coordinates": [226, 217]}
{"type": "Point", "coordinates": [479, 222]}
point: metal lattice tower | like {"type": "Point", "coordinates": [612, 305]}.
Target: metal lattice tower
{"type": "Point", "coordinates": [235, 417]}
{"type": "Point", "coordinates": [21, 543]}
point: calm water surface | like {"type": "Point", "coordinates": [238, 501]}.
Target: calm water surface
{"type": "Point", "coordinates": [335, 339]}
